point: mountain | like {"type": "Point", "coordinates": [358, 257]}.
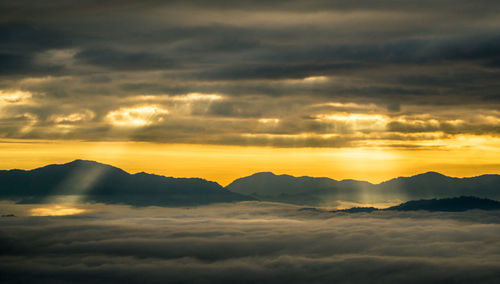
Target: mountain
{"type": "Point", "coordinates": [304, 190]}
{"type": "Point", "coordinates": [433, 185]}
{"type": "Point", "coordinates": [283, 188]}
{"type": "Point", "coordinates": [358, 210]}
{"type": "Point", "coordinates": [456, 204]}
{"type": "Point", "coordinates": [325, 191]}
{"type": "Point", "coordinates": [96, 182]}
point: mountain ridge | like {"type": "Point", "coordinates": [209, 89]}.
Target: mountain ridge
{"type": "Point", "coordinates": [306, 190]}
{"type": "Point", "coordinates": [270, 173]}
{"type": "Point", "coordinates": [455, 204]}
{"type": "Point", "coordinates": [105, 183]}
{"type": "Point", "coordinates": [98, 182]}
{"type": "Point", "coordinates": [256, 173]}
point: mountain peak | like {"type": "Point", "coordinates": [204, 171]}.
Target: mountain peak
{"type": "Point", "coordinates": [83, 162]}
{"type": "Point", "coordinates": [96, 182]}
{"type": "Point", "coordinates": [432, 173]}
{"type": "Point", "coordinates": [417, 177]}
{"type": "Point", "coordinates": [89, 164]}
{"type": "Point", "coordinates": [263, 174]}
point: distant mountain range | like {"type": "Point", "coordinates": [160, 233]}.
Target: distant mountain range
{"type": "Point", "coordinates": [96, 182]}
{"type": "Point", "coordinates": [325, 191]}
{"type": "Point", "coordinates": [457, 204]}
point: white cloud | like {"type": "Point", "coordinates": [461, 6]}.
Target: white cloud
{"type": "Point", "coordinates": [137, 116]}
{"type": "Point", "coordinates": [16, 96]}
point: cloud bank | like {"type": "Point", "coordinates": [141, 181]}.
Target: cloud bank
{"type": "Point", "coordinates": [290, 74]}
{"type": "Point", "coordinates": [248, 243]}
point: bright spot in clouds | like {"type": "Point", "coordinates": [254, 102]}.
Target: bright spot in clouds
{"type": "Point", "coordinates": [56, 210]}
{"type": "Point", "coordinates": [14, 96]}
{"type": "Point", "coordinates": [346, 105]}
{"type": "Point", "coordinates": [190, 97]}
{"type": "Point", "coordinates": [73, 117]}
{"type": "Point", "coordinates": [197, 97]}
{"type": "Point", "coordinates": [315, 79]}
{"type": "Point", "coordinates": [137, 116]}
{"type": "Point", "coordinates": [358, 121]}
{"type": "Point", "coordinates": [269, 120]}
{"type": "Point", "coordinates": [354, 117]}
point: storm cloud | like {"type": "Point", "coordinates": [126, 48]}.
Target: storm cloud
{"type": "Point", "coordinates": [284, 74]}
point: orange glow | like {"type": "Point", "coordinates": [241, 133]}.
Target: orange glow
{"type": "Point", "coordinates": [56, 210]}
{"type": "Point", "coordinates": [226, 163]}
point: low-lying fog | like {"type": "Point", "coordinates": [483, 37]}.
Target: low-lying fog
{"type": "Point", "coordinates": [252, 242]}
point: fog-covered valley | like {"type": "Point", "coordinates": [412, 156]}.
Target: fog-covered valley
{"type": "Point", "coordinates": [245, 242]}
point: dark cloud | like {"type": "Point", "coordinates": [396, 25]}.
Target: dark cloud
{"type": "Point", "coordinates": [122, 60]}
{"type": "Point", "coordinates": [30, 38]}
{"type": "Point", "coordinates": [29, 7]}
{"type": "Point", "coordinates": [280, 70]}
{"type": "Point", "coordinates": [24, 65]}
{"type": "Point", "coordinates": [97, 79]}
{"type": "Point", "coordinates": [267, 62]}
{"type": "Point", "coordinates": [14, 63]}
{"type": "Point", "coordinates": [234, 109]}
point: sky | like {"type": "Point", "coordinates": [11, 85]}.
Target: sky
{"type": "Point", "coordinates": [346, 89]}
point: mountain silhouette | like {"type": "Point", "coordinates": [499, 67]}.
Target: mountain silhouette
{"type": "Point", "coordinates": [96, 182]}
{"type": "Point", "coordinates": [283, 188]}
{"type": "Point", "coordinates": [456, 204]}
{"type": "Point", "coordinates": [358, 210]}
{"type": "Point", "coordinates": [325, 191]}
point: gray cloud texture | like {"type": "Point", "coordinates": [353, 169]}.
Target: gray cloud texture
{"type": "Point", "coordinates": [248, 243]}
{"type": "Point", "coordinates": [267, 62]}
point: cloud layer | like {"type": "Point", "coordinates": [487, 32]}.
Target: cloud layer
{"type": "Point", "coordinates": [248, 243]}
{"type": "Point", "coordinates": [294, 73]}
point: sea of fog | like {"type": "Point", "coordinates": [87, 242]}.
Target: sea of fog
{"type": "Point", "coordinates": [249, 242]}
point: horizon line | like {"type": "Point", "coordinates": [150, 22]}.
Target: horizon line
{"type": "Point", "coordinates": [255, 173]}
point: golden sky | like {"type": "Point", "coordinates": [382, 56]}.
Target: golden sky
{"type": "Point", "coordinates": [344, 89]}
{"type": "Point", "coordinates": [223, 164]}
